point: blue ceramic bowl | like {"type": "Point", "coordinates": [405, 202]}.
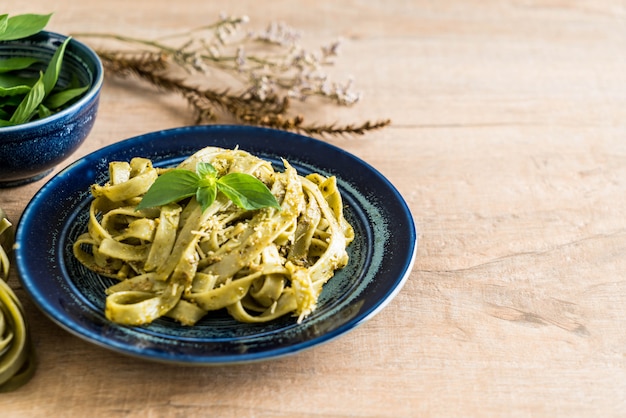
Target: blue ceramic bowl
{"type": "Point", "coordinates": [31, 150]}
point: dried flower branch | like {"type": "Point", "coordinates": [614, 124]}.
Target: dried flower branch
{"type": "Point", "coordinates": [264, 72]}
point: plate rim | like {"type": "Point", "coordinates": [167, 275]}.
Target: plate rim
{"type": "Point", "coordinates": [127, 145]}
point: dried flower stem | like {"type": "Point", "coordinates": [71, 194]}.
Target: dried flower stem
{"type": "Point", "coordinates": [270, 68]}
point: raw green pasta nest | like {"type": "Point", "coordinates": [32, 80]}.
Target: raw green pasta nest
{"type": "Point", "coordinates": [17, 356]}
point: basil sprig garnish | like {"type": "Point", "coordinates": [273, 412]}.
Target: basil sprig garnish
{"type": "Point", "coordinates": [244, 190]}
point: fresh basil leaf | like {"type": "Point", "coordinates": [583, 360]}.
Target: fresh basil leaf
{"type": "Point", "coordinates": [21, 26]}
{"type": "Point", "coordinates": [12, 85]}
{"type": "Point", "coordinates": [43, 111]}
{"type": "Point", "coordinates": [12, 80]}
{"type": "Point", "coordinates": [51, 76]}
{"type": "Point", "coordinates": [4, 19]}
{"type": "Point", "coordinates": [16, 63]}
{"type": "Point", "coordinates": [246, 191]}
{"type": "Point", "coordinates": [27, 108]}
{"type": "Point", "coordinates": [206, 169]}
{"type": "Point", "coordinates": [5, 122]}
{"type": "Point", "coordinates": [56, 100]}
{"type": "Point", "coordinates": [169, 187]}
{"type": "Point", "coordinates": [14, 91]}
{"type": "Point", "coordinates": [206, 196]}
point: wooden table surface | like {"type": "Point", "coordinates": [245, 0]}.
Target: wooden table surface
{"type": "Point", "coordinates": [508, 141]}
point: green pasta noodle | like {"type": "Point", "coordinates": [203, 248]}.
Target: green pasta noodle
{"type": "Point", "coordinates": [182, 261]}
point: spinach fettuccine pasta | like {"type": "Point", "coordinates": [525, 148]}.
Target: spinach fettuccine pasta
{"type": "Point", "coordinates": [185, 258]}
{"type": "Point", "coordinates": [17, 355]}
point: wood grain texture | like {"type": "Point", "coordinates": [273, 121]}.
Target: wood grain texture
{"type": "Point", "coordinates": [508, 143]}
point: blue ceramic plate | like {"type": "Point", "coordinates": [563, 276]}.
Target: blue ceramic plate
{"type": "Point", "coordinates": [381, 256]}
